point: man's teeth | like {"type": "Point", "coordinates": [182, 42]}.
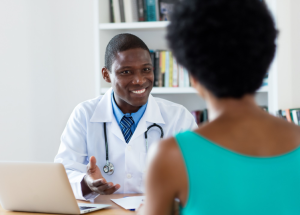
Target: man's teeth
{"type": "Point", "coordinates": [139, 91]}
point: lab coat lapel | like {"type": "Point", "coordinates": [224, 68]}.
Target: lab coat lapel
{"type": "Point", "coordinates": [152, 115]}
{"type": "Point", "coordinates": [104, 113]}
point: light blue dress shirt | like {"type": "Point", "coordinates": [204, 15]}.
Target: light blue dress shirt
{"type": "Point", "coordinates": [135, 116]}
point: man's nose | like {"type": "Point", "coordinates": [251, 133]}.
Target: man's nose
{"type": "Point", "coordinates": [138, 79]}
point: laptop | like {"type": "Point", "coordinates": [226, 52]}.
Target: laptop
{"type": "Point", "coordinates": [39, 187]}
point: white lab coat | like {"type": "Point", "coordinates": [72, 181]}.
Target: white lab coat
{"type": "Point", "coordinates": [83, 137]}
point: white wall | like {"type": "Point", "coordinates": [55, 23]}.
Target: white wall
{"type": "Point", "coordinates": [288, 54]}
{"type": "Point", "coordinates": [47, 66]}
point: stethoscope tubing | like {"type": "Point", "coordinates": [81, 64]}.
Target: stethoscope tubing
{"type": "Point", "coordinates": [110, 165]}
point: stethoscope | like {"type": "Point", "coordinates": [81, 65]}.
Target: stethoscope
{"type": "Point", "coordinates": [109, 167]}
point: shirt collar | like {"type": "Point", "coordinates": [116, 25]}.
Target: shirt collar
{"type": "Point", "coordinates": [119, 114]}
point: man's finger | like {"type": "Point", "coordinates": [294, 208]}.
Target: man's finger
{"type": "Point", "coordinates": [99, 182]}
{"type": "Point", "coordinates": [112, 189]}
{"type": "Point", "coordinates": [92, 163]}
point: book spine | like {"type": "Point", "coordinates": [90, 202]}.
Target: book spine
{"type": "Point", "coordinates": [288, 115]}
{"type": "Point", "coordinates": [181, 82]}
{"type": "Point", "coordinates": [134, 9]}
{"type": "Point", "coordinates": [167, 70]}
{"type": "Point", "coordinates": [128, 11]}
{"type": "Point", "coordinates": [298, 116]}
{"type": "Point", "coordinates": [157, 10]}
{"type": "Point", "coordinates": [111, 11]}
{"type": "Point", "coordinates": [122, 10]}
{"type": "Point", "coordinates": [175, 73]}
{"type": "Point", "coordinates": [157, 69]}
{"type": "Point", "coordinates": [140, 8]}
{"type": "Point", "coordinates": [163, 68]}
{"type": "Point", "coordinates": [186, 78]}
{"type": "Point", "coordinates": [170, 69]}
{"type": "Point", "coordinates": [116, 8]}
{"type": "Point", "coordinates": [145, 10]}
{"type": "Point", "coordinates": [295, 117]}
{"type": "Point", "coordinates": [151, 10]}
{"type": "Point", "coordinates": [283, 113]}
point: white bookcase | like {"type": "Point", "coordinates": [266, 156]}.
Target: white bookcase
{"type": "Point", "coordinates": [153, 34]}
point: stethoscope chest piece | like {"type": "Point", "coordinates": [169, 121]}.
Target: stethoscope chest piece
{"type": "Point", "coordinates": [109, 168]}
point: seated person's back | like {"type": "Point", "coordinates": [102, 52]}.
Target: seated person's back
{"type": "Point", "coordinates": [244, 161]}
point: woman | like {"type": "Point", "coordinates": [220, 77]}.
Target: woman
{"type": "Point", "coordinates": [244, 161]}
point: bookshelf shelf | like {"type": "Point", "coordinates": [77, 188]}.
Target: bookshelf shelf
{"type": "Point", "coordinates": [133, 25]}
{"type": "Point", "coordinates": [180, 90]}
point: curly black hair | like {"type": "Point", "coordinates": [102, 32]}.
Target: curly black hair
{"type": "Point", "coordinates": [119, 43]}
{"type": "Point", "coordinates": [226, 45]}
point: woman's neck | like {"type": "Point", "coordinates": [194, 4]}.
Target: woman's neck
{"type": "Point", "coordinates": [230, 106]}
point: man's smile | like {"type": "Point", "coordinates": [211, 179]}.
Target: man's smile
{"type": "Point", "coordinates": [139, 91]}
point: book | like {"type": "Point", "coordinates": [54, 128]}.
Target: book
{"type": "Point", "coordinates": [122, 11]}
{"type": "Point", "coordinates": [294, 116]}
{"type": "Point", "coordinates": [162, 68]}
{"type": "Point", "coordinates": [131, 10]}
{"type": "Point", "coordinates": [145, 10]}
{"type": "Point", "coordinates": [281, 114]}
{"type": "Point", "coordinates": [151, 10]}
{"type": "Point", "coordinates": [298, 116]}
{"type": "Point", "coordinates": [181, 76]}
{"type": "Point", "coordinates": [197, 115]}
{"type": "Point", "coordinates": [140, 8]}
{"type": "Point", "coordinates": [175, 73]}
{"type": "Point", "coordinates": [291, 115]}
{"type": "Point", "coordinates": [170, 69]}
{"type": "Point", "coordinates": [111, 11]}
{"type": "Point", "coordinates": [166, 84]}
{"type": "Point", "coordinates": [205, 115]}
{"type": "Point", "coordinates": [288, 115]}
{"type": "Point", "coordinates": [116, 11]}
{"type": "Point", "coordinates": [156, 68]}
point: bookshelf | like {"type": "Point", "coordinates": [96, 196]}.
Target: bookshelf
{"type": "Point", "coordinates": [153, 34]}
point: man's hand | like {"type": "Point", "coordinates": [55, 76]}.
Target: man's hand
{"type": "Point", "coordinates": [94, 181]}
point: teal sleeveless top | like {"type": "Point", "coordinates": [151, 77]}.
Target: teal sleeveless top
{"type": "Point", "coordinates": [225, 182]}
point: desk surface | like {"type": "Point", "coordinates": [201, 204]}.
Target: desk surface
{"type": "Point", "coordinates": [114, 209]}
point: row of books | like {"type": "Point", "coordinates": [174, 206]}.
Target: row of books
{"type": "Point", "coordinates": [140, 10]}
{"type": "Point", "coordinates": [167, 72]}
{"type": "Point", "coordinates": [291, 115]}
{"type": "Point", "coordinates": [200, 116]}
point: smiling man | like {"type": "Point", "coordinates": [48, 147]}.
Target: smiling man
{"type": "Point", "coordinates": [104, 145]}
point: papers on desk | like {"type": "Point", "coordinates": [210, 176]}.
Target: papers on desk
{"type": "Point", "coordinates": [132, 202]}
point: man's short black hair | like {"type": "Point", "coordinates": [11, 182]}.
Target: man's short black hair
{"type": "Point", "coordinates": [119, 43]}
{"type": "Point", "coordinates": [226, 45]}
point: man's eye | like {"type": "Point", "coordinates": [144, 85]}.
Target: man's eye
{"type": "Point", "coordinates": [125, 72]}
{"type": "Point", "coordinates": [147, 69]}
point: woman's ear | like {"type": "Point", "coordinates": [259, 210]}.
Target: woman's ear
{"type": "Point", "coordinates": [106, 74]}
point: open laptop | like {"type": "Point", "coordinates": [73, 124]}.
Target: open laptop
{"type": "Point", "coordinates": [39, 187]}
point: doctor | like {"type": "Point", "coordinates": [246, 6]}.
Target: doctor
{"type": "Point", "coordinates": [108, 132]}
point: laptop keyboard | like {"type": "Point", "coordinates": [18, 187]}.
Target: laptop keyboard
{"type": "Point", "coordinates": [84, 207]}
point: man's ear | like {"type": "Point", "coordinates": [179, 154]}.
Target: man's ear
{"type": "Point", "coordinates": [106, 75]}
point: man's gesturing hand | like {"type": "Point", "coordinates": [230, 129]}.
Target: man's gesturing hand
{"type": "Point", "coordinates": [94, 181]}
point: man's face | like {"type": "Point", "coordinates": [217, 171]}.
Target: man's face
{"type": "Point", "coordinates": [132, 79]}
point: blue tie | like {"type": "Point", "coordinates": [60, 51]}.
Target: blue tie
{"type": "Point", "coordinates": [126, 123]}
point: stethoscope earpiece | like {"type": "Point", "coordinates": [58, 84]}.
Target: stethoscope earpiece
{"type": "Point", "coordinates": [109, 167]}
